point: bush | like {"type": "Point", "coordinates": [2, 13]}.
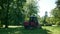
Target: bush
{"type": "Point", "coordinates": [58, 23]}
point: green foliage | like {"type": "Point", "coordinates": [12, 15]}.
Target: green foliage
{"type": "Point", "coordinates": [56, 14]}
{"type": "Point", "coordinates": [51, 20]}
{"type": "Point", "coordinates": [58, 3]}
{"type": "Point", "coordinates": [30, 8]}
{"type": "Point", "coordinates": [11, 11]}
{"type": "Point", "coordinates": [14, 12]}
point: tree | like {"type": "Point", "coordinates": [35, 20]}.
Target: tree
{"type": "Point", "coordinates": [56, 13]}
{"type": "Point", "coordinates": [58, 3]}
{"type": "Point", "coordinates": [8, 9]}
{"type": "Point", "coordinates": [45, 17]}
{"type": "Point", "coordinates": [16, 12]}
{"type": "Point", "coordinates": [13, 12]}
{"type": "Point", "coordinates": [3, 14]}
{"type": "Point", "coordinates": [31, 8]}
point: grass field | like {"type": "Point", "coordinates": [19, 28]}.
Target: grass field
{"type": "Point", "coordinates": [53, 29]}
{"type": "Point", "coordinates": [21, 30]}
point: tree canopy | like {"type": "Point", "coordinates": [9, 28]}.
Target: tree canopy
{"type": "Point", "coordinates": [15, 11]}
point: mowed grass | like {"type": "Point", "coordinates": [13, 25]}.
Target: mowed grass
{"type": "Point", "coordinates": [21, 30]}
{"type": "Point", "coordinates": [52, 29]}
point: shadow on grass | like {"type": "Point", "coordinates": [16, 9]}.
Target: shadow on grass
{"type": "Point", "coordinates": [21, 30]}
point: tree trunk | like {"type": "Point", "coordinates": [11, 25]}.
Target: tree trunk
{"type": "Point", "coordinates": [6, 22]}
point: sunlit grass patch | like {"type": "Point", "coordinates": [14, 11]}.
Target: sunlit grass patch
{"type": "Point", "coordinates": [53, 29]}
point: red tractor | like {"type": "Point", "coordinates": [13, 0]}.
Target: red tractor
{"type": "Point", "coordinates": [32, 23]}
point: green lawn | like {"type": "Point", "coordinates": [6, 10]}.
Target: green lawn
{"type": "Point", "coordinates": [21, 30]}
{"type": "Point", "coordinates": [53, 29]}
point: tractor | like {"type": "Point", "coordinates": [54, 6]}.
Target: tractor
{"type": "Point", "coordinates": [32, 23]}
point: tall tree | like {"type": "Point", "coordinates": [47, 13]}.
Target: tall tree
{"type": "Point", "coordinates": [56, 12]}
{"type": "Point", "coordinates": [17, 15]}
{"type": "Point", "coordinates": [45, 17]}
{"type": "Point", "coordinates": [11, 9]}
{"type": "Point", "coordinates": [31, 8]}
